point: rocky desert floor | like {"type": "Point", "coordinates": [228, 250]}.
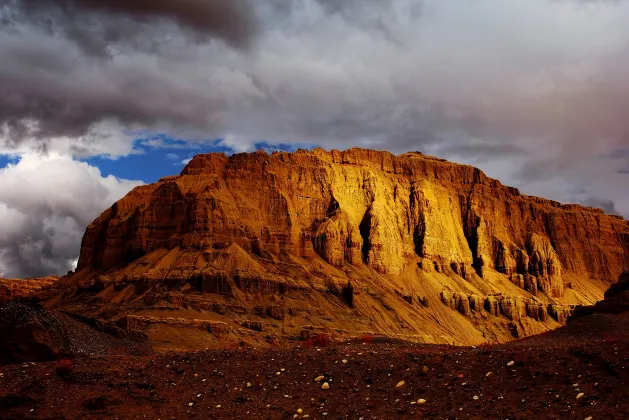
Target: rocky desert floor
{"type": "Point", "coordinates": [577, 372]}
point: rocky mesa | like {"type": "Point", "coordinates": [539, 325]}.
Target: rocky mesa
{"type": "Point", "coordinates": [261, 247]}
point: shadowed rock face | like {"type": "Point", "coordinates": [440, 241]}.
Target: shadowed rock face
{"type": "Point", "coordinates": [30, 333]}
{"type": "Point", "coordinates": [263, 225]}
{"type": "Point", "coordinates": [616, 300]}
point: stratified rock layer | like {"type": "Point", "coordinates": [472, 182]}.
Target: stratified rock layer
{"type": "Point", "coordinates": [353, 240]}
{"type": "Point", "coordinates": [16, 289]}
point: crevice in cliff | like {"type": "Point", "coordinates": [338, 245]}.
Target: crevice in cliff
{"type": "Point", "coordinates": [365, 233]}
{"type": "Point", "coordinates": [419, 235]}
{"type": "Point", "coordinates": [333, 208]}
{"type": "Point", "coordinates": [418, 219]}
{"type": "Point", "coordinates": [471, 234]}
{"type": "Point", "coordinates": [347, 293]}
{"type": "Point", "coordinates": [471, 223]}
{"type": "Point", "coordinates": [477, 260]}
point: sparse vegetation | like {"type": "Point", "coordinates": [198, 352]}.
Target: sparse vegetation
{"type": "Point", "coordinates": [367, 338]}
{"type": "Point", "coordinates": [64, 368]}
{"type": "Point", "coordinates": [320, 340]}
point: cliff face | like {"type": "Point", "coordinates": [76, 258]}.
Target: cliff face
{"type": "Point", "coordinates": [393, 228]}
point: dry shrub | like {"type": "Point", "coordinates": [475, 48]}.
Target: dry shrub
{"type": "Point", "coordinates": [320, 340]}
{"type": "Point", "coordinates": [521, 357]}
{"type": "Point", "coordinates": [367, 338]}
{"type": "Point", "coordinates": [486, 347]}
{"type": "Point", "coordinates": [64, 368]}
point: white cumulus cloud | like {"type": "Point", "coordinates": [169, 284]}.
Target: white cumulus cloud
{"type": "Point", "coordinates": [45, 204]}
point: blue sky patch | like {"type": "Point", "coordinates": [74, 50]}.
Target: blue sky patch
{"type": "Point", "coordinates": [7, 159]}
{"type": "Point", "coordinates": [158, 155]}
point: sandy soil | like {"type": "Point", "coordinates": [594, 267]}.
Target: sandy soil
{"type": "Point", "coordinates": [540, 377]}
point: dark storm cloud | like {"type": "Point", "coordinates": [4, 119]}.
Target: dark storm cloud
{"type": "Point", "coordinates": [231, 20]}
{"type": "Point", "coordinates": [543, 109]}
{"type": "Point", "coordinates": [50, 84]}
{"type": "Point", "coordinates": [69, 65]}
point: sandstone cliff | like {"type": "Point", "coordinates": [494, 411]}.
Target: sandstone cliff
{"type": "Point", "coordinates": [355, 242]}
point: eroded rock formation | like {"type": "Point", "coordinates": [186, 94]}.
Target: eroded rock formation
{"type": "Point", "coordinates": [16, 289]}
{"type": "Point", "coordinates": [295, 230]}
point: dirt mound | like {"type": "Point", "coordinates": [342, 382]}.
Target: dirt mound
{"type": "Point", "coordinates": [616, 301]}
{"type": "Point", "coordinates": [31, 333]}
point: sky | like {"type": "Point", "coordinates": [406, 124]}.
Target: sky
{"type": "Point", "coordinates": [99, 96]}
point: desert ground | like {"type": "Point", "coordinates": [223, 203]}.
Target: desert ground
{"type": "Point", "coordinates": [576, 372]}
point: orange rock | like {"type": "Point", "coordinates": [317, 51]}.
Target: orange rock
{"type": "Point", "coordinates": [266, 231]}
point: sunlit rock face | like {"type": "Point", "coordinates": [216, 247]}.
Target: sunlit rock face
{"type": "Point", "coordinates": [361, 207]}
{"type": "Point", "coordinates": [413, 227]}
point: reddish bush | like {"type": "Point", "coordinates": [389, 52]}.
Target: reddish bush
{"type": "Point", "coordinates": [320, 340]}
{"type": "Point", "coordinates": [367, 338]}
{"type": "Point", "coordinates": [64, 367]}
{"type": "Point", "coordinates": [486, 347]}
{"type": "Point", "coordinates": [609, 337]}
{"type": "Point", "coordinates": [520, 357]}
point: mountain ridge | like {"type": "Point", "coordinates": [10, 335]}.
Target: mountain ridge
{"type": "Point", "coordinates": [354, 241]}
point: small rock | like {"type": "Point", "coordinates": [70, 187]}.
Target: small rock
{"type": "Point", "coordinates": [475, 397]}
{"type": "Point", "coordinates": [249, 385]}
{"type": "Point", "coordinates": [588, 418]}
{"type": "Point", "coordinates": [218, 406]}
{"type": "Point", "coordinates": [299, 411]}
{"type": "Point", "coordinates": [344, 361]}
{"type": "Point", "coordinates": [325, 386]}
{"type": "Point", "coordinates": [319, 378]}
{"type": "Point", "coordinates": [511, 363]}
{"type": "Point", "coordinates": [190, 404]}
{"type": "Point", "coordinates": [421, 401]}
{"type": "Point", "coordinates": [580, 395]}
{"type": "Point", "coordinates": [278, 373]}
{"type": "Point", "coordinates": [400, 384]}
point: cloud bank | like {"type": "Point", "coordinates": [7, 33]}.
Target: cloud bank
{"type": "Point", "coordinates": [534, 92]}
{"type": "Point", "coordinates": [45, 205]}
